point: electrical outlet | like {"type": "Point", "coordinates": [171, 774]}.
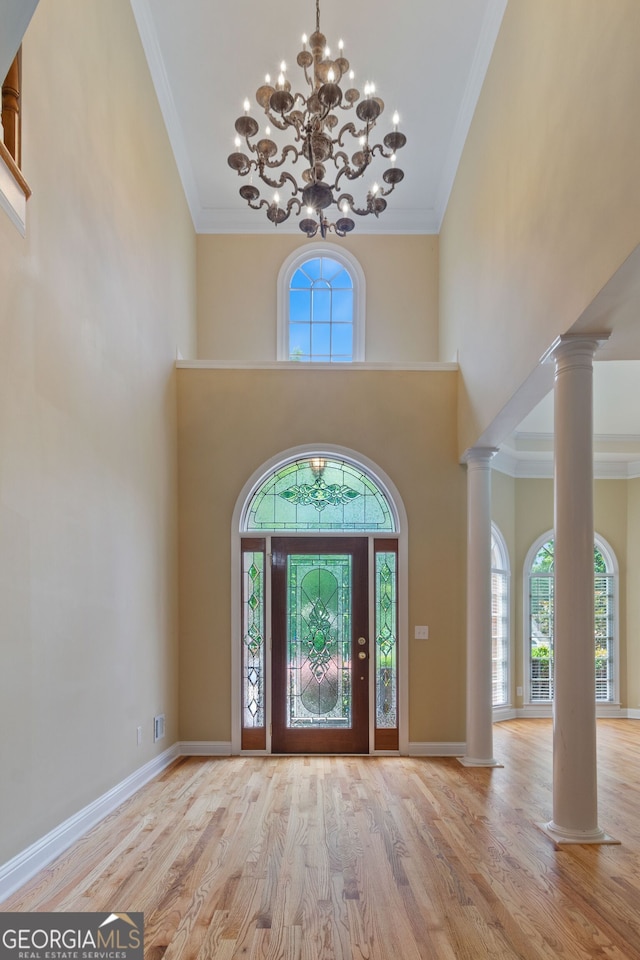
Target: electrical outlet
{"type": "Point", "coordinates": [158, 727]}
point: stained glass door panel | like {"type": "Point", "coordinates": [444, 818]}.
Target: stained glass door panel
{"type": "Point", "coordinates": [320, 646]}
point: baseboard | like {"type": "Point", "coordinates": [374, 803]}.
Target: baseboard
{"type": "Point", "coordinates": [17, 871]}
{"type": "Point", "coordinates": [504, 713]}
{"type": "Point", "coordinates": [437, 749]}
{"type": "Point", "coordinates": [603, 710]}
{"type": "Point", "coordinates": [205, 748]}
{"type": "Point", "coordinates": [633, 714]}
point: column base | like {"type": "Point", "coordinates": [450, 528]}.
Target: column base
{"type": "Point", "coordinates": [473, 762]}
{"type": "Point", "coordinates": [563, 835]}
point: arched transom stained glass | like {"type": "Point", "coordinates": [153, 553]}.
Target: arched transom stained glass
{"type": "Point", "coordinates": [318, 493]}
{"type": "Point", "coordinates": [321, 312]}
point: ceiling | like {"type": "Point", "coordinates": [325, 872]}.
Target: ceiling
{"type": "Point", "coordinates": [427, 58]}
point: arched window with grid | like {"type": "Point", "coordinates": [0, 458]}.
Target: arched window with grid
{"type": "Point", "coordinates": [539, 574]}
{"type": "Point", "coordinates": [500, 632]}
{"type": "Point", "coordinates": [321, 307]}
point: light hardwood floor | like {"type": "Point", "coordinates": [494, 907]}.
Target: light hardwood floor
{"type": "Point", "coordinates": [378, 858]}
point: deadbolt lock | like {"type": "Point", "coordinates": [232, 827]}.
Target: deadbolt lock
{"type": "Point", "coordinates": [362, 655]}
{"type": "Point", "coordinates": [361, 641]}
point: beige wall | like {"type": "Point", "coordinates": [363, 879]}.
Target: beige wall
{"type": "Point", "coordinates": [232, 422]}
{"type": "Point", "coordinates": [545, 205]}
{"type": "Point", "coordinates": [532, 505]}
{"type": "Point", "coordinates": [237, 295]}
{"type": "Point", "coordinates": [94, 304]}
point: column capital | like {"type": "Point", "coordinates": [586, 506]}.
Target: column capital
{"type": "Point", "coordinates": [572, 349]}
{"type": "Point", "coordinates": [479, 455]}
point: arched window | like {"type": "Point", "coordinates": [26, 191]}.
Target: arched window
{"type": "Point", "coordinates": [329, 498]}
{"type": "Point", "coordinates": [499, 618]}
{"type": "Point", "coordinates": [321, 307]}
{"type": "Point", "coordinates": [319, 494]}
{"type": "Point", "coordinates": [539, 573]}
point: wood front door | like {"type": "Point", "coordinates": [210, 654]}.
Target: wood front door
{"type": "Point", "coordinates": [320, 648]}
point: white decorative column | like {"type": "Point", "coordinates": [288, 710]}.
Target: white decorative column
{"type": "Point", "coordinates": [479, 665]}
{"type": "Point", "coordinates": [575, 792]}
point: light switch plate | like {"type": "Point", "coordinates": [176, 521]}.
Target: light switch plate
{"type": "Point", "coordinates": [421, 633]}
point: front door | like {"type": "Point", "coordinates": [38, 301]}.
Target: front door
{"type": "Point", "coordinates": [320, 651]}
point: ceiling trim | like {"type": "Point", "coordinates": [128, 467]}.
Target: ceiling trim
{"type": "Point", "coordinates": [157, 69]}
{"type": "Point", "coordinates": [530, 457]}
{"type": "Point", "coordinates": [243, 220]}
{"type": "Point", "coordinates": [488, 35]}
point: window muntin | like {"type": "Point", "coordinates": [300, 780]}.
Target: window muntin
{"type": "Point", "coordinates": [500, 633]}
{"type": "Point", "coordinates": [321, 312]}
{"type": "Point", "coordinates": [321, 306]}
{"type": "Point", "coordinates": [318, 493]}
{"type": "Point", "coordinates": [541, 636]}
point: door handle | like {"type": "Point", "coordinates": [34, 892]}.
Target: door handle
{"type": "Point", "coordinates": [362, 655]}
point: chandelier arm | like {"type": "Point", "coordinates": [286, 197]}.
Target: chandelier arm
{"type": "Point", "coordinates": [279, 184]}
{"type": "Point", "coordinates": [273, 164]}
{"type": "Point", "coordinates": [276, 121]}
{"type": "Point", "coordinates": [360, 212]}
{"type": "Point", "coordinates": [294, 202]}
{"type": "Point", "coordinates": [258, 206]}
{"type": "Point", "coordinates": [351, 128]}
{"type": "Point", "coordinates": [352, 174]}
{"type": "Point", "coordinates": [380, 149]}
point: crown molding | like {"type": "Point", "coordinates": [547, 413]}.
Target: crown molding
{"type": "Point", "coordinates": [530, 456]}
{"type": "Point", "coordinates": [208, 220]}
{"type": "Point", "coordinates": [396, 221]}
{"type": "Point", "coordinates": [155, 61]}
{"type": "Point", "coordinates": [484, 50]}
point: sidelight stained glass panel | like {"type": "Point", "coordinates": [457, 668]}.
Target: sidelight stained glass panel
{"type": "Point", "coordinates": [318, 493]}
{"type": "Point", "coordinates": [253, 639]}
{"type": "Point", "coordinates": [386, 640]}
{"type": "Point", "coordinates": [319, 641]}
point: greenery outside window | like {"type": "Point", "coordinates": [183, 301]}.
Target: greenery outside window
{"type": "Point", "coordinates": [541, 625]}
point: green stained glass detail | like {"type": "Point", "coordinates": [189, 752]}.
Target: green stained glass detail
{"type": "Point", "coordinates": [253, 638]}
{"type": "Point", "coordinates": [317, 494]}
{"type": "Point", "coordinates": [320, 494]}
{"type": "Point", "coordinates": [386, 640]}
{"type": "Point", "coordinates": [319, 641]}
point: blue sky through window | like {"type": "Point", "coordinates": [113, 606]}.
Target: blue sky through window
{"type": "Point", "coordinates": [321, 312]}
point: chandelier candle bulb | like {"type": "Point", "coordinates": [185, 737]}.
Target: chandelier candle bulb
{"type": "Point", "coordinates": [321, 141]}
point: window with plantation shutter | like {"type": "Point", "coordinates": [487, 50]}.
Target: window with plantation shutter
{"type": "Point", "coordinates": [499, 618]}
{"type": "Point", "coordinates": [540, 639]}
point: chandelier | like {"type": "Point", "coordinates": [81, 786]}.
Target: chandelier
{"type": "Point", "coordinates": [333, 155]}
